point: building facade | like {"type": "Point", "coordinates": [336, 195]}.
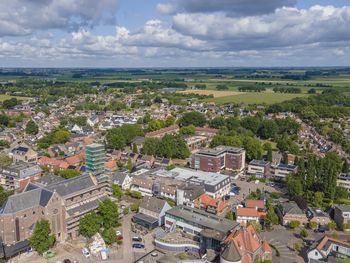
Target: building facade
{"type": "Point", "coordinates": [95, 158]}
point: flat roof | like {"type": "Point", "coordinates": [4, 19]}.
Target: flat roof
{"type": "Point", "coordinates": [194, 175]}
{"type": "Point", "coordinates": [219, 150]}
{"type": "Point", "coordinates": [259, 162]}
{"type": "Point", "coordinates": [203, 218]}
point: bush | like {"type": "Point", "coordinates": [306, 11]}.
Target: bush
{"type": "Point", "coordinates": [332, 225]}
{"type": "Point", "coordinates": [312, 225]}
{"type": "Point", "coordinates": [297, 246]}
{"type": "Point", "coordinates": [275, 195]}
{"type": "Point", "coordinates": [345, 226]}
{"type": "Point", "coordinates": [304, 233]}
{"type": "Point", "coordinates": [294, 224]}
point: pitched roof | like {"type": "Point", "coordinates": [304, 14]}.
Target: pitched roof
{"type": "Point", "coordinates": [152, 204]}
{"type": "Point", "coordinates": [25, 200]}
{"type": "Point", "coordinates": [245, 211]}
{"type": "Point", "coordinates": [255, 203]}
{"type": "Point", "coordinates": [327, 239]}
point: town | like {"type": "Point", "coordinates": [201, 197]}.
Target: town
{"type": "Point", "coordinates": [162, 171]}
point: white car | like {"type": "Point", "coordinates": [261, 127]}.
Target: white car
{"type": "Point", "coordinates": [118, 233]}
{"type": "Point", "coordinates": [86, 252]}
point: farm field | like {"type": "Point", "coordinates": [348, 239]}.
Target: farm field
{"type": "Point", "coordinates": [255, 98]}
{"type": "Point", "coordinates": [215, 93]}
{"type": "Point", "coordinates": [6, 97]}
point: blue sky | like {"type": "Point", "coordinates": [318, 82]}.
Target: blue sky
{"type": "Point", "coordinates": [168, 33]}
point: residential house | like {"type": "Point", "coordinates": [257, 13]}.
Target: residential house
{"type": "Point", "coordinates": [290, 211]}
{"type": "Point", "coordinates": [151, 213]}
{"type": "Point", "coordinates": [282, 170]}
{"type": "Point", "coordinates": [342, 215]}
{"type": "Point", "coordinates": [17, 175]}
{"type": "Point", "coordinates": [209, 204]}
{"type": "Point", "coordinates": [259, 168]}
{"type": "Point", "coordinates": [161, 132]}
{"type": "Point", "coordinates": [329, 249]}
{"type": "Point", "coordinates": [24, 153]}
{"type": "Point", "coordinates": [318, 216]}
{"type": "Point", "coordinates": [123, 179]}
{"type": "Point", "coordinates": [245, 246]}
{"type": "Point", "coordinates": [188, 193]}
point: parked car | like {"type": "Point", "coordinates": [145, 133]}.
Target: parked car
{"type": "Point", "coordinates": [86, 252]}
{"type": "Point", "coordinates": [137, 245]}
{"type": "Point", "coordinates": [118, 233]}
{"type": "Point", "coordinates": [137, 239]}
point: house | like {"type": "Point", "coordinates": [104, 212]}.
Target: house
{"type": "Point", "coordinates": [290, 211]}
{"type": "Point", "coordinates": [110, 166]}
{"type": "Point", "coordinates": [276, 159]}
{"type": "Point", "coordinates": [209, 204]}
{"type": "Point", "coordinates": [122, 179]}
{"type": "Point", "coordinates": [254, 210]}
{"type": "Point", "coordinates": [245, 246]}
{"type": "Point", "coordinates": [342, 215]}
{"type": "Point", "coordinates": [24, 153]}
{"type": "Point", "coordinates": [343, 180]}
{"type": "Point", "coordinates": [138, 141]}
{"type": "Point", "coordinates": [196, 142]}
{"type": "Point", "coordinates": [188, 193]}
{"type": "Point", "coordinates": [282, 170]}
{"type": "Point", "coordinates": [161, 132]}
{"type": "Point", "coordinates": [328, 248]}
{"type": "Point", "coordinates": [53, 164]}
{"type": "Point", "coordinates": [93, 120]}
{"type": "Point", "coordinates": [151, 213]}
{"type": "Point", "coordinates": [259, 168]}
{"type": "Point", "coordinates": [318, 216]}
{"type": "Point", "coordinates": [17, 175]}
{"type": "Point", "coordinates": [221, 157]}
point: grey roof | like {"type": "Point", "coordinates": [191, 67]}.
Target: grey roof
{"type": "Point", "coordinates": [25, 200]}
{"type": "Point", "coordinates": [146, 218]}
{"type": "Point", "coordinates": [202, 218]}
{"type": "Point", "coordinates": [71, 186]}
{"type": "Point", "coordinates": [343, 208]}
{"type": "Point", "coordinates": [50, 179]}
{"type": "Point", "coordinates": [138, 140]}
{"type": "Point", "coordinates": [259, 162]}
{"type": "Point", "coordinates": [86, 207]}
{"type": "Point", "coordinates": [291, 208]}
{"type": "Point", "coordinates": [153, 204]}
{"type": "Point", "coordinates": [192, 191]}
{"type": "Point", "coordinates": [118, 177]}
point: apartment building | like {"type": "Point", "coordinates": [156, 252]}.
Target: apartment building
{"type": "Point", "coordinates": [95, 158]}
{"type": "Point", "coordinates": [282, 170]}
{"type": "Point", "coordinates": [17, 175]}
{"type": "Point", "coordinates": [219, 158]}
{"type": "Point", "coordinates": [259, 168]}
{"type": "Point", "coordinates": [343, 180]}
{"type": "Point", "coordinates": [342, 215]}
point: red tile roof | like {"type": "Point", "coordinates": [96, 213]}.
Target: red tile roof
{"type": "Point", "coordinates": [255, 203]}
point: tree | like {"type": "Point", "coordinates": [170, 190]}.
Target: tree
{"type": "Point", "coordinates": [267, 129]}
{"type": "Point", "coordinates": [294, 186]}
{"type": "Point", "coordinates": [311, 91]}
{"type": "Point", "coordinates": [4, 120]}
{"type": "Point", "coordinates": [115, 139]}
{"type": "Point", "coordinates": [318, 199]}
{"type": "Point", "coordinates": [251, 123]}
{"type": "Point", "coordinates": [312, 224]}
{"type": "Point", "coordinates": [117, 191]}
{"type": "Point", "coordinates": [294, 224]}
{"type": "Point", "coordinates": [304, 233]}
{"type": "Point", "coordinates": [109, 235]}
{"type": "Point", "coordinates": [188, 130]}
{"type": "Point", "coordinates": [170, 120]}
{"type": "Point", "coordinates": [297, 246]}
{"type": "Point", "coordinates": [4, 160]}
{"type": "Point", "coordinates": [42, 239]}
{"type": "Point", "coordinates": [230, 215]}
{"type": "Point", "coordinates": [108, 211]}
{"type": "Point", "coordinates": [130, 165]}
{"type": "Point", "coordinates": [90, 224]}
{"type": "Point", "coordinates": [68, 173]}
{"type": "Point", "coordinates": [345, 168]}
{"type": "Point", "coordinates": [271, 217]}
{"type": "Point", "coordinates": [32, 128]}
{"type": "Point", "coordinates": [134, 148]}
{"type": "Point", "coordinates": [194, 117]}
{"type": "Point", "coordinates": [154, 125]}
{"type": "Point", "coordinates": [10, 103]}
{"type": "Point", "coordinates": [332, 225]}
{"type": "Point", "coordinates": [221, 87]}
{"type": "Point", "coordinates": [329, 169]}
{"type": "Point", "coordinates": [253, 148]}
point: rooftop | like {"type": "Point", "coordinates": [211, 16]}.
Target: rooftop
{"type": "Point", "coordinates": [219, 150]}
{"type": "Point", "coordinates": [259, 162]}
{"type": "Point", "coordinates": [203, 219]}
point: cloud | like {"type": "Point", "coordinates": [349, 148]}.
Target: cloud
{"type": "Point", "coordinates": [21, 17]}
{"type": "Point", "coordinates": [285, 27]}
{"type": "Point", "coordinates": [231, 7]}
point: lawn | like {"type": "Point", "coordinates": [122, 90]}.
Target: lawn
{"type": "Point", "coordinates": [256, 98]}
{"type": "Point", "coordinates": [6, 97]}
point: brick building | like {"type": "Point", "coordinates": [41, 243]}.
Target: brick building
{"type": "Point", "coordinates": [221, 157]}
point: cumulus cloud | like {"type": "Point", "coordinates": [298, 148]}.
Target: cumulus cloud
{"type": "Point", "coordinates": [285, 27]}
{"type": "Point", "coordinates": [20, 17]}
{"type": "Point", "coordinates": [231, 7]}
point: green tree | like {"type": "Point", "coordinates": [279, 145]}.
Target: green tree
{"type": "Point", "coordinates": [221, 87]}
{"type": "Point", "coordinates": [130, 165]}
{"type": "Point", "coordinates": [329, 168]}
{"type": "Point", "coordinates": [42, 239]}
{"type": "Point", "coordinates": [294, 224]}
{"type": "Point", "coordinates": [134, 148]}
{"type": "Point", "coordinates": [4, 120]}
{"type": "Point", "coordinates": [108, 211]}
{"type": "Point", "coordinates": [109, 236]}
{"type": "Point", "coordinates": [188, 130]}
{"type": "Point", "coordinates": [4, 160]}
{"type": "Point", "coordinates": [251, 123]}
{"type": "Point", "coordinates": [154, 125]}
{"type": "Point", "coordinates": [304, 233]}
{"type": "Point", "coordinates": [68, 173]}
{"type": "Point", "coordinates": [194, 117]}
{"type": "Point", "coordinates": [230, 215]}
{"type": "Point", "coordinates": [253, 148]}
{"type": "Point", "coordinates": [332, 225]}
{"type": "Point", "coordinates": [345, 168]}
{"type": "Point", "coordinates": [90, 224]}
{"type": "Point", "coordinates": [312, 225]}
{"type": "Point", "coordinates": [294, 186]}
{"type": "Point", "coordinates": [318, 199]}
{"type": "Point", "coordinates": [115, 139]}
{"type": "Point", "coordinates": [170, 120]}
{"type": "Point", "coordinates": [32, 128]}
{"type": "Point", "coordinates": [271, 217]}
{"type": "Point", "coordinates": [117, 191]}
{"type": "Point", "coordinates": [268, 129]}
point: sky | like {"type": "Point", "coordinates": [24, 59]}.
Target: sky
{"type": "Point", "coordinates": [174, 33]}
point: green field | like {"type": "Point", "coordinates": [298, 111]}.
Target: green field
{"type": "Point", "coordinates": [256, 98]}
{"type": "Point", "coordinates": [6, 97]}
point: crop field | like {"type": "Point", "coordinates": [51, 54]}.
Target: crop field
{"type": "Point", "coordinates": [215, 93]}
{"type": "Point", "coordinates": [256, 98]}
{"type": "Point", "coordinates": [6, 97]}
